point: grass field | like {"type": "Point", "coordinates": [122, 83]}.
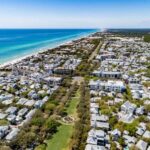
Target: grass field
{"type": "Point", "coordinates": [3, 122]}
{"type": "Point", "coordinates": [41, 147]}
{"type": "Point", "coordinates": [60, 140]}
{"type": "Point", "coordinates": [71, 110]}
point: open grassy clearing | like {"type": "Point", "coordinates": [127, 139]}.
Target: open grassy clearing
{"type": "Point", "coordinates": [71, 110]}
{"type": "Point", "coordinates": [61, 139]}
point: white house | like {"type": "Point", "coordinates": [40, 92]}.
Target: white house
{"type": "Point", "coordinates": [142, 145]}
{"type": "Point", "coordinates": [109, 86]}
{"type": "Point", "coordinates": [128, 107]}
{"type": "Point", "coordinates": [94, 147]}
{"type": "Point", "coordinates": [108, 74]}
{"type": "Point", "coordinates": [12, 134]}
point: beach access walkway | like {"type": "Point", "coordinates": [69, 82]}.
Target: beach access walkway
{"type": "Point", "coordinates": [95, 51]}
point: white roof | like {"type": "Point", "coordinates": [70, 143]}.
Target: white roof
{"type": "Point", "coordinates": [102, 125]}
{"type": "Point", "coordinates": [142, 145]}
{"type": "Point", "coordinates": [94, 105]}
{"type": "Point", "coordinates": [128, 105]}
{"type": "Point", "coordinates": [148, 148]}
{"type": "Point", "coordinates": [22, 111]}
{"type": "Point", "coordinates": [30, 113]}
{"type": "Point", "coordinates": [96, 133]}
{"type": "Point", "coordinates": [11, 109]}
{"type": "Point", "coordinates": [117, 83]}
{"type": "Point", "coordinates": [116, 132]}
{"type": "Point", "coordinates": [146, 134]}
{"type": "Point", "coordinates": [3, 128]}
{"type": "Point", "coordinates": [22, 101]}
{"type": "Point", "coordinates": [94, 147]}
{"type": "Point", "coordinates": [30, 103]}
{"type": "Point", "coordinates": [130, 139]}
{"type": "Point", "coordinates": [53, 78]}
{"type": "Point", "coordinates": [108, 83]}
{"type": "Point", "coordinates": [7, 102]}
{"type": "Point", "coordinates": [11, 117]}
{"type": "Point", "coordinates": [12, 134]}
{"type": "Point", "coordinates": [2, 115]}
{"type": "Point", "coordinates": [91, 140]}
{"type": "Point", "coordinates": [94, 110]}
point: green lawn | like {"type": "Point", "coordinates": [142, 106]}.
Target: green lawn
{"type": "Point", "coordinates": [60, 140]}
{"type": "Point", "coordinates": [3, 122]}
{"type": "Point", "coordinates": [71, 110]}
{"type": "Point", "coordinates": [41, 147]}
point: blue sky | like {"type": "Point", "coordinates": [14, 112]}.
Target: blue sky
{"type": "Point", "coordinates": [74, 13]}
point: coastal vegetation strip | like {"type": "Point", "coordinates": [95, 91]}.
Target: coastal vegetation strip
{"type": "Point", "coordinates": [61, 140]}
{"type": "Point", "coordinates": [82, 127]}
{"type": "Point", "coordinates": [71, 110]}
{"type": "Point", "coordinates": [95, 52]}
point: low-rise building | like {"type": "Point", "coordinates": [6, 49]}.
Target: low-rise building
{"type": "Point", "coordinates": [109, 86]}
{"type": "Point", "coordinates": [142, 145]}
{"type": "Point", "coordinates": [108, 74]}
{"type": "Point", "coordinates": [12, 134]}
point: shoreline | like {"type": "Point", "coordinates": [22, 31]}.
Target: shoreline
{"type": "Point", "coordinates": [17, 60]}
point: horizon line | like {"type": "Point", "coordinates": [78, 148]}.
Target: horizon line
{"type": "Point", "coordinates": [69, 28]}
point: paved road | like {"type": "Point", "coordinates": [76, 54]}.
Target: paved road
{"type": "Point", "coordinates": [95, 51]}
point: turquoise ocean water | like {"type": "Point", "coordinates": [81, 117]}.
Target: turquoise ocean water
{"type": "Point", "coordinates": [17, 43]}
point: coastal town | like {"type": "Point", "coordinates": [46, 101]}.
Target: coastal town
{"type": "Point", "coordinates": [120, 96]}
{"type": "Point", "coordinates": [111, 74]}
